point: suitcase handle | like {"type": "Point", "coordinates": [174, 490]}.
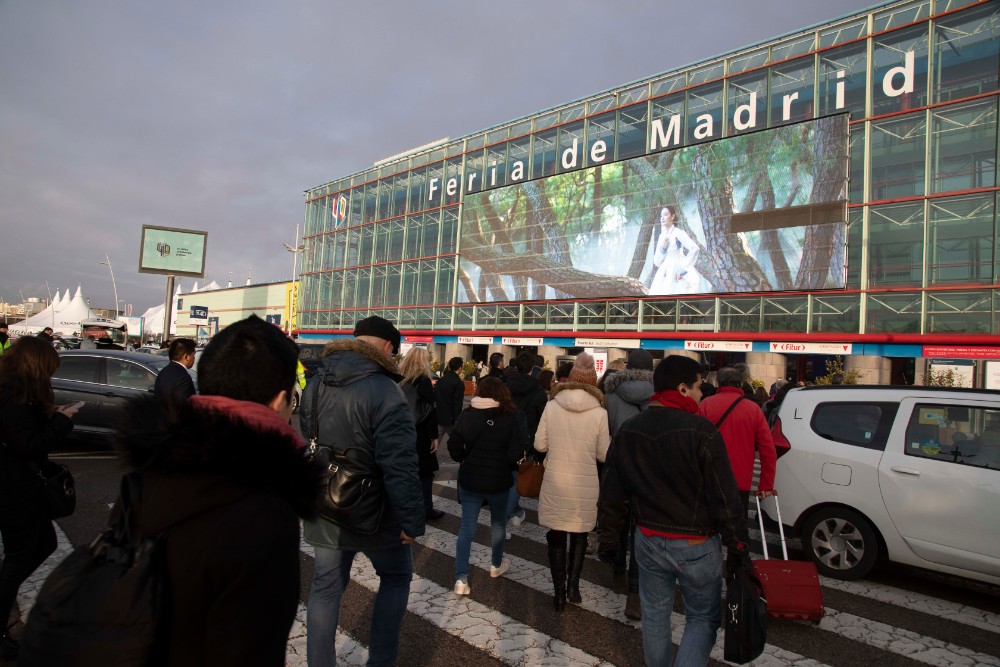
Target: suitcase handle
{"type": "Point", "coordinates": [781, 527]}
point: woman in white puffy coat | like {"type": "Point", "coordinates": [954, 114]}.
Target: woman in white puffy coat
{"type": "Point", "coordinates": [574, 433]}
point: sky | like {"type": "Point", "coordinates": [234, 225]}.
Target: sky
{"type": "Point", "coordinates": [217, 115]}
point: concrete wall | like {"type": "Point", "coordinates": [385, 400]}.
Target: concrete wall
{"type": "Point", "coordinates": [874, 370]}
{"type": "Point", "coordinates": [767, 366]}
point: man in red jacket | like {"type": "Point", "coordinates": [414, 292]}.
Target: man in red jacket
{"type": "Point", "coordinates": [744, 430]}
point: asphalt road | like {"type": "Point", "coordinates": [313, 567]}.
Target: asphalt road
{"type": "Point", "coordinates": [898, 616]}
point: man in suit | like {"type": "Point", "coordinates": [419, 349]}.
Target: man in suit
{"type": "Point", "coordinates": [174, 381]}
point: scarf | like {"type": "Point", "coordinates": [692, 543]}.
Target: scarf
{"type": "Point", "coordinates": [671, 398]}
{"type": "Point", "coordinates": [480, 403]}
{"type": "Point", "coordinates": [257, 415]}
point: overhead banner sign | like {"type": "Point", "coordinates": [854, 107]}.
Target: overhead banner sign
{"type": "Point", "coordinates": [792, 347]}
{"type": "Point", "coordinates": [961, 352]}
{"type": "Point", "coordinates": [418, 339]}
{"type": "Point", "coordinates": [625, 343]}
{"type": "Point", "coordinates": [522, 341]}
{"type": "Point", "coordinates": [718, 345]}
{"type": "Point", "coordinates": [991, 379]}
{"type": "Point", "coordinates": [476, 340]}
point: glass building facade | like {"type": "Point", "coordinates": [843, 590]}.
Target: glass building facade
{"type": "Point", "coordinates": [919, 84]}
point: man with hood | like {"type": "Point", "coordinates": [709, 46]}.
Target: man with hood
{"type": "Point", "coordinates": [530, 398]}
{"type": "Point", "coordinates": [626, 394]}
{"type": "Point", "coordinates": [228, 477]}
{"type": "Point", "coordinates": [359, 404]}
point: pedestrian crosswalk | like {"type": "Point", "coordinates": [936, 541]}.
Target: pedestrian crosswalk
{"type": "Point", "coordinates": [509, 620]}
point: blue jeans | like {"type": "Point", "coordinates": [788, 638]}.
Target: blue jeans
{"type": "Point", "coordinates": [663, 563]}
{"type": "Point", "coordinates": [514, 501]}
{"type": "Point", "coordinates": [394, 567]}
{"type": "Point", "coordinates": [471, 504]}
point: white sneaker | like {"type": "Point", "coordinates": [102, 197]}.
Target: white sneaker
{"type": "Point", "coordinates": [498, 571]}
{"type": "Point", "coordinates": [462, 588]}
{"type": "Point", "coordinates": [517, 519]}
{"type": "Point", "coordinates": [507, 533]}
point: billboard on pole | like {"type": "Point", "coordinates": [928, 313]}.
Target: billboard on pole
{"type": "Point", "coordinates": [169, 251]}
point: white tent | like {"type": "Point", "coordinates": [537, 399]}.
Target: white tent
{"type": "Point", "coordinates": [63, 316]}
{"type": "Point", "coordinates": [153, 318]}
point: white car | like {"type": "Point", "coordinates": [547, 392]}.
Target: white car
{"type": "Point", "coordinates": [910, 474]}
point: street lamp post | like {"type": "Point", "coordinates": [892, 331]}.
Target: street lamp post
{"type": "Point", "coordinates": [113, 284]}
{"type": "Point", "coordinates": [298, 248]}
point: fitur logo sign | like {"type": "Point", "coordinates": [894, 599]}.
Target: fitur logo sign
{"type": "Point", "coordinates": [896, 81]}
{"type": "Point", "coordinates": [163, 249]}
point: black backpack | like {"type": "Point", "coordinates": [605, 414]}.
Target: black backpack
{"type": "Point", "coordinates": [107, 604]}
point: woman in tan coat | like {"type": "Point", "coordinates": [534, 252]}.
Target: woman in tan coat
{"type": "Point", "coordinates": [574, 433]}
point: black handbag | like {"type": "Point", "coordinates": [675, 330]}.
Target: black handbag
{"type": "Point", "coordinates": [353, 493]}
{"type": "Point", "coordinates": [58, 488]}
{"type": "Point", "coordinates": [745, 614]}
{"type": "Point", "coordinates": [419, 408]}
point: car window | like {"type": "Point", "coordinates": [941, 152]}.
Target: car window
{"type": "Point", "coordinates": [128, 375]}
{"type": "Point", "coordinates": [859, 424]}
{"type": "Point", "coordinates": [81, 369]}
{"type": "Point", "coordinates": [965, 435]}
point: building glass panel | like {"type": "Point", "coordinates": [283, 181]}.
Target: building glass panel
{"type": "Point", "coordinates": [427, 292]}
{"type": "Point", "coordinates": [855, 243]}
{"type": "Point", "coordinates": [370, 213]}
{"type": "Point", "coordinates": [832, 313]}
{"type": "Point", "coordinates": [384, 199]}
{"type": "Point", "coordinates": [856, 166]}
{"type": "Point", "coordinates": [966, 53]}
{"type": "Point", "coordinates": [696, 315]}
{"type": "Point", "coordinates": [896, 85]}
{"type": "Point", "coordinates": [601, 128]}
{"type": "Point", "coordinates": [445, 280]}
{"type": "Point", "coordinates": [378, 286]}
{"type": "Point", "coordinates": [400, 190]}
{"type": "Point", "coordinates": [366, 248]}
{"type": "Point", "coordinates": [964, 146]}
{"type": "Point", "coordinates": [418, 188]}
{"type": "Point", "coordinates": [901, 15]}
{"type": "Point", "coordinates": [847, 31]}
{"type": "Point", "coordinates": [451, 187]}
{"type": "Point", "coordinates": [496, 165]}
{"type": "Point", "coordinates": [897, 156]}
{"type": "Point", "coordinates": [842, 77]}
{"type": "Point", "coordinates": [704, 113]}
{"type": "Point", "coordinates": [534, 316]}
{"type": "Point", "coordinates": [747, 102]}
{"type": "Point", "coordinates": [896, 245]}
{"type": "Point", "coordinates": [796, 46]}
{"type": "Point", "coordinates": [959, 312]}
{"type": "Point", "coordinates": [793, 80]}
{"type": "Point", "coordinates": [486, 316]}
{"type": "Point", "coordinates": [668, 84]}
{"type": "Point", "coordinates": [430, 234]}
{"type": "Point", "coordinates": [411, 280]}
{"type": "Point", "coordinates": [543, 148]}
{"type": "Point", "coordinates": [739, 314]}
{"type": "Point", "coordinates": [364, 286]}
{"type": "Point", "coordinates": [659, 315]}
{"type": "Point", "coordinates": [393, 284]}
{"type": "Point", "coordinates": [413, 236]}
{"type": "Point", "coordinates": [593, 315]}
{"type": "Point", "coordinates": [623, 315]}
{"type": "Point", "coordinates": [474, 171]}
{"type": "Point", "coordinates": [356, 207]}
{"type": "Point", "coordinates": [382, 238]}
{"type": "Point", "coordinates": [751, 60]}
{"type": "Point", "coordinates": [397, 230]}
{"type": "Point", "coordinates": [449, 231]}
{"type": "Point", "coordinates": [664, 110]}
{"type": "Point", "coordinates": [561, 315]}
{"type": "Point", "coordinates": [442, 318]}
{"type": "Point", "coordinates": [705, 73]}
{"type": "Point", "coordinates": [961, 240]}
{"type": "Point", "coordinates": [631, 140]}
{"type": "Point", "coordinates": [893, 313]}
{"type": "Point", "coordinates": [785, 313]}
{"type": "Point", "coordinates": [519, 159]}
{"type": "Point", "coordinates": [509, 317]}
{"type": "Point", "coordinates": [464, 317]}
{"type": "Point", "coordinates": [408, 318]}
{"type": "Point", "coordinates": [571, 147]}
{"type": "Point", "coordinates": [350, 288]}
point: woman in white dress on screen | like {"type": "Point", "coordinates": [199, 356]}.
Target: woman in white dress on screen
{"type": "Point", "coordinates": [674, 258]}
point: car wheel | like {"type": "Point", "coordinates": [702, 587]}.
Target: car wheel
{"type": "Point", "coordinates": [841, 542]}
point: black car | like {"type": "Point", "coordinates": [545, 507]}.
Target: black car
{"type": "Point", "coordinates": [105, 380]}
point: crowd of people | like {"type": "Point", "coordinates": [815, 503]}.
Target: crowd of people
{"type": "Point", "coordinates": [656, 476]}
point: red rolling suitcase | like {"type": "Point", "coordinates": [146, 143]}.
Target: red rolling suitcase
{"type": "Point", "coordinates": [790, 586]}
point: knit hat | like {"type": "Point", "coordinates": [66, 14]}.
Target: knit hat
{"type": "Point", "coordinates": [640, 359]}
{"type": "Point", "coordinates": [583, 370]}
{"type": "Point", "coordinates": [378, 327]}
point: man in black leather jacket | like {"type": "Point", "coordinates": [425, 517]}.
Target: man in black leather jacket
{"type": "Point", "coordinates": [671, 465]}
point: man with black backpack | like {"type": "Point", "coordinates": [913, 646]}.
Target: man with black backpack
{"type": "Point", "coordinates": [216, 487]}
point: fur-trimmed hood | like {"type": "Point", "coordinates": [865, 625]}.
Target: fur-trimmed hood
{"type": "Point", "coordinates": [350, 359]}
{"type": "Point", "coordinates": [216, 449]}
{"type": "Point", "coordinates": [633, 385]}
{"type": "Point", "coordinates": [588, 398]}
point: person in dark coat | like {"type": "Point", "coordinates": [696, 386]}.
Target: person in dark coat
{"type": "Point", "coordinates": [487, 441]}
{"type": "Point", "coordinates": [228, 476]}
{"type": "Point", "coordinates": [174, 382]}
{"type": "Point", "coordinates": [416, 370]}
{"type": "Point", "coordinates": [530, 398]}
{"type": "Point", "coordinates": [30, 427]}
{"type": "Point", "coordinates": [496, 366]}
{"type": "Point", "coordinates": [449, 397]}
{"type": "Point", "coordinates": [357, 402]}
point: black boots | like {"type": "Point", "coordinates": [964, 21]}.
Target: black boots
{"type": "Point", "coordinates": [557, 565]}
{"type": "Point", "coordinates": [577, 554]}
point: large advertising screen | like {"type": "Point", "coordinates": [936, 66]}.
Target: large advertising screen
{"type": "Point", "coordinates": [179, 252]}
{"type": "Point", "coordinates": [758, 212]}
